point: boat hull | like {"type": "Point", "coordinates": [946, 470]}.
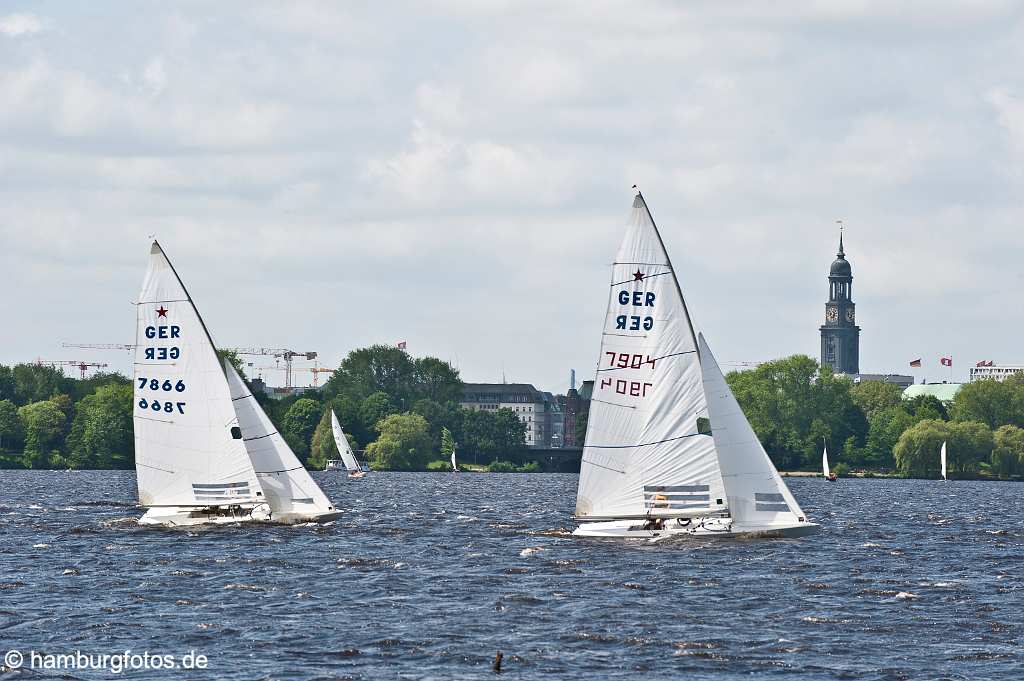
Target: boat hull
{"type": "Point", "coordinates": [720, 528]}
{"type": "Point", "coordinates": [190, 516]}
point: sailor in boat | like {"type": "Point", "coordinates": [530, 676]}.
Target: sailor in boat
{"type": "Point", "coordinates": [831, 477]}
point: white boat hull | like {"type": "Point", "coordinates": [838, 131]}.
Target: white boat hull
{"type": "Point", "coordinates": [696, 527]}
{"type": "Point", "coordinates": [189, 516]}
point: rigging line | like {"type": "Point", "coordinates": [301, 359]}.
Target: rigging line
{"type": "Point", "coordinates": [250, 439]}
{"type": "Point", "coordinates": [624, 335]}
{"type": "Point", "coordinates": [164, 470]}
{"type": "Point", "coordinates": [172, 300]}
{"type": "Point", "coordinates": [649, 264]}
{"type": "Point", "coordinates": [607, 468]}
{"type": "Point", "coordinates": [155, 364]}
{"type": "Point", "coordinates": [615, 404]}
{"type": "Point", "coordinates": [286, 470]}
{"type": "Point", "coordinates": [650, 361]}
{"type": "Point", "coordinates": [644, 444]}
{"type": "Point", "coordinates": [235, 399]}
{"type": "Point", "coordinates": [147, 418]}
{"type": "Point", "coordinates": [645, 278]}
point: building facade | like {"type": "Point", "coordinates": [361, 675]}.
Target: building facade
{"type": "Point", "coordinates": [840, 335]}
{"type": "Point", "coordinates": [998, 372]}
{"type": "Point", "coordinates": [531, 406]}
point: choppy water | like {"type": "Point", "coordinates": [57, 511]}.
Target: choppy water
{"type": "Point", "coordinates": [428, 575]}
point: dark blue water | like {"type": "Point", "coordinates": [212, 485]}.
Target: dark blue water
{"type": "Point", "coordinates": [429, 575]}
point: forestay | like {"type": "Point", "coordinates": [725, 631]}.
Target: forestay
{"type": "Point", "coordinates": [188, 448]}
{"type": "Point", "coordinates": [344, 448]}
{"type": "Point", "coordinates": [643, 454]}
{"type": "Point", "coordinates": [287, 484]}
{"type": "Point", "coordinates": [757, 495]}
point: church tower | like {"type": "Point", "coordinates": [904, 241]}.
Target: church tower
{"type": "Point", "coordinates": [840, 336]}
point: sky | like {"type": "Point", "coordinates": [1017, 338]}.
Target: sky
{"type": "Point", "coordinates": [457, 174]}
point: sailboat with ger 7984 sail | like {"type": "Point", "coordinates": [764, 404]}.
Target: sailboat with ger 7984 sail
{"type": "Point", "coordinates": [668, 451]}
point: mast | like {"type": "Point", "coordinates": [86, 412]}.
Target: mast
{"type": "Point", "coordinates": [668, 260]}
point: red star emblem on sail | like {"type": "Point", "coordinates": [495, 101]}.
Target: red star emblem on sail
{"type": "Point", "coordinates": [638, 276]}
{"type": "Point", "coordinates": [162, 311]}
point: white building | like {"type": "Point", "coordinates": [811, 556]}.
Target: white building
{"type": "Point", "coordinates": [530, 406]}
{"type": "Point", "coordinates": [999, 372]}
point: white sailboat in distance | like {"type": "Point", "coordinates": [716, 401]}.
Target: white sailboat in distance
{"type": "Point", "coordinates": [829, 475]}
{"type": "Point", "coordinates": [942, 460]}
{"type": "Point", "coordinates": [455, 466]}
{"type": "Point", "coordinates": [651, 465]}
{"type": "Point", "coordinates": [348, 457]}
{"type": "Point", "coordinates": [193, 463]}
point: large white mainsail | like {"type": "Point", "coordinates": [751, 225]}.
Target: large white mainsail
{"type": "Point", "coordinates": [643, 456]}
{"type": "Point", "coordinates": [344, 448]}
{"type": "Point", "coordinates": [289, 489]}
{"type": "Point", "coordinates": [188, 447]}
{"type": "Point", "coordinates": [758, 497]}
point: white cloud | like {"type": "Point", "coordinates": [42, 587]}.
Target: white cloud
{"type": "Point", "coordinates": [16, 25]}
{"type": "Point", "coordinates": [457, 173]}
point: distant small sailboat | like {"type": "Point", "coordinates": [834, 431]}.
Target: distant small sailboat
{"type": "Point", "coordinates": [455, 466]}
{"type": "Point", "coordinates": [197, 458]}
{"type": "Point", "coordinates": [829, 475]}
{"type": "Point", "coordinates": [668, 451]}
{"type": "Point", "coordinates": [348, 457]}
{"type": "Point", "coordinates": [942, 461]}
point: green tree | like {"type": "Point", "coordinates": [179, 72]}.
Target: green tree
{"type": "Point", "coordinates": [489, 435]}
{"type": "Point", "coordinates": [970, 444]}
{"type": "Point", "coordinates": [404, 444]}
{"type": "Point", "coordinates": [43, 422]}
{"type": "Point", "coordinates": [436, 380]}
{"type": "Point", "coordinates": [873, 396]}
{"type": "Point", "coordinates": [8, 389]}
{"type": "Point", "coordinates": [12, 432]}
{"type": "Point", "coordinates": [447, 443]}
{"type": "Point", "coordinates": [102, 433]}
{"type": "Point", "coordinates": [298, 425]}
{"type": "Point", "coordinates": [917, 451]}
{"type": "Point", "coordinates": [378, 368]}
{"type": "Point", "coordinates": [792, 404]}
{"type": "Point", "coordinates": [236, 361]}
{"type": "Point", "coordinates": [1008, 451]}
{"type": "Point", "coordinates": [36, 383]}
{"type": "Point", "coordinates": [323, 446]}
{"type": "Point", "coordinates": [992, 402]}
{"type": "Point", "coordinates": [371, 411]}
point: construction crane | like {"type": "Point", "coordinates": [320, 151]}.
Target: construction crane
{"type": "Point", "coordinates": [98, 346]}
{"type": "Point", "coordinates": [280, 353]}
{"type": "Point", "coordinates": [82, 366]}
{"type": "Point", "coordinates": [316, 371]}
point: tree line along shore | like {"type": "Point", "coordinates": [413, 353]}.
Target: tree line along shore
{"type": "Point", "coordinates": [396, 408]}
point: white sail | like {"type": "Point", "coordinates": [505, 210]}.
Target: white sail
{"type": "Point", "coordinates": [643, 455]}
{"type": "Point", "coordinates": [288, 487]}
{"type": "Point", "coordinates": [188, 447]}
{"type": "Point", "coordinates": [455, 466]}
{"type": "Point", "coordinates": [824, 461]}
{"type": "Point", "coordinates": [942, 460]}
{"type": "Point", "coordinates": [757, 495]}
{"type": "Point", "coordinates": [344, 448]}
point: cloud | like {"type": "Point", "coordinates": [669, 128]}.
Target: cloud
{"type": "Point", "coordinates": [457, 174]}
{"type": "Point", "coordinates": [17, 25]}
